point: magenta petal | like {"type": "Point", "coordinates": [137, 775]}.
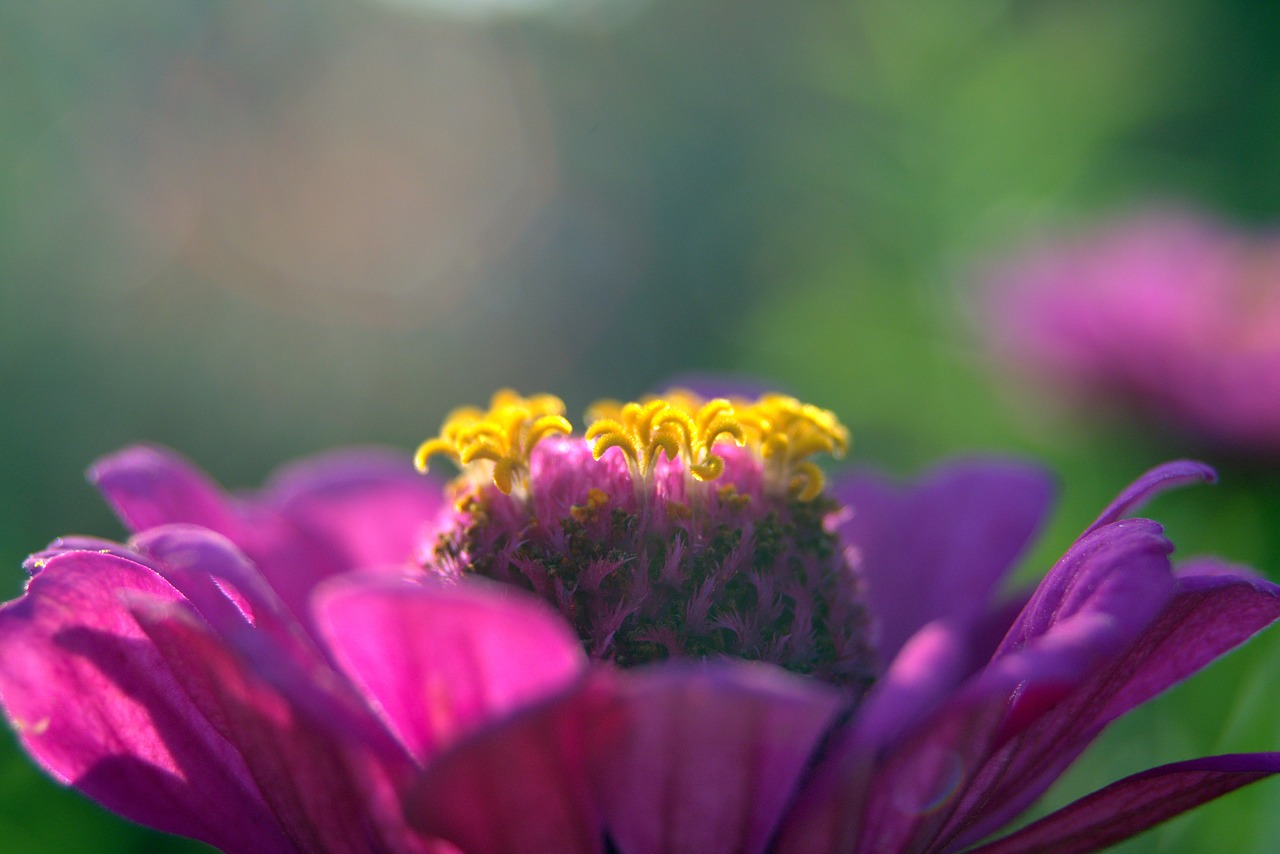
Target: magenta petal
{"type": "Point", "coordinates": [367, 505]}
{"type": "Point", "coordinates": [36, 562]}
{"type": "Point", "coordinates": [306, 773]}
{"type": "Point", "coordinates": [711, 758]}
{"type": "Point", "coordinates": [1148, 486]}
{"type": "Point", "coordinates": [940, 548]}
{"type": "Point", "coordinates": [347, 511]}
{"type": "Point", "coordinates": [224, 587]}
{"type": "Point", "coordinates": [1210, 615]}
{"type": "Point", "coordinates": [520, 786]}
{"type": "Point", "coordinates": [96, 704]}
{"type": "Point", "coordinates": [216, 577]}
{"type": "Point", "coordinates": [438, 659]}
{"type": "Point", "coordinates": [1130, 806]}
{"type": "Point", "coordinates": [149, 486]}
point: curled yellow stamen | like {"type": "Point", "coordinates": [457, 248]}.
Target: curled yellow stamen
{"type": "Point", "coordinates": [788, 432]}
{"type": "Point", "coordinates": [642, 431]}
{"type": "Point", "coordinates": [677, 424]}
{"type": "Point", "coordinates": [782, 430]}
{"type": "Point", "coordinates": [502, 438]}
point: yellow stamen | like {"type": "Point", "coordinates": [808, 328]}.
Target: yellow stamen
{"type": "Point", "coordinates": [788, 432]}
{"type": "Point", "coordinates": [782, 430]}
{"type": "Point", "coordinates": [502, 438]}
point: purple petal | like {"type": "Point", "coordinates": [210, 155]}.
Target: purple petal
{"type": "Point", "coordinates": [98, 707]}
{"type": "Point", "coordinates": [312, 779]}
{"type": "Point", "coordinates": [368, 505]}
{"type": "Point", "coordinates": [1151, 484]}
{"type": "Point", "coordinates": [1210, 615]}
{"type": "Point", "coordinates": [940, 548]}
{"type": "Point", "coordinates": [711, 758]}
{"type": "Point", "coordinates": [520, 786]}
{"type": "Point", "coordinates": [440, 660]}
{"type": "Point", "coordinates": [827, 816]}
{"type": "Point", "coordinates": [209, 572]}
{"type": "Point", "coordinates": [1130, 806]}
{"type": "Point", "coordinates": [1094, 605]}
{"type": "Point", "coordinates": [1120, 569]}
{"type": "Point", "coordinates": [895, 799]}
{"type": "Point", "coordinates": [927, 670]}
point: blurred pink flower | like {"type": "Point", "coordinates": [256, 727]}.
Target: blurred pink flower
{"type": "Point", "coordinates": [1166, 313]}
{"type": "Point", "coordinates": [321, 667]}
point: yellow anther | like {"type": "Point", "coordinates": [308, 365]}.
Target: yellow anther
{"type": "Point", "coordinates": [675, 425]}
{"type": "Point", "coordinates": [806, 481]}
{"type": "Point", "coordinates": [788, 432]}
{"type": "Point", "coordinates": [782, 430]}
{"type": "Point", "coordinates": [504, 436]}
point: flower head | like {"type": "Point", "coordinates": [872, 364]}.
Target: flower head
{"type": "Point", "coordinates": [1167, 313]}
{"type": "Point", "coordinates": [675, 527]}
{"type": "Point", "coordinates": [670, 634]}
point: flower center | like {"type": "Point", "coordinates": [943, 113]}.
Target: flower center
{"type": "Point", "coordinates": [676, 527]}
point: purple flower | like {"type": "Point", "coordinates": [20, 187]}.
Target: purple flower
{"type": "Point", "coordinates": [1167, 313]}
{"type": "Point", "coordinates": [671, 635]}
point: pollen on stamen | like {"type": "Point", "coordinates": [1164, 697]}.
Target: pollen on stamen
{"type": "Point", "coordinates": [499, 441]}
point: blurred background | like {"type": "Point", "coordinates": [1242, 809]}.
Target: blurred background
{"type": "Point", "coordinates": [255, 230]}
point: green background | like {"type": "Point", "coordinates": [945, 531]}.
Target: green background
{"type": "Point", "coordinates": [253, 231]}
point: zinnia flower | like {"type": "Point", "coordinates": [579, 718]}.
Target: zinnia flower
{"type": "Point", "coordinates": [669, 635]}
{"type": "Point", "coordinates": [1167, 314]}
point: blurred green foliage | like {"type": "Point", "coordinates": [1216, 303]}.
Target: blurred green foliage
{"type": "Point", "coordinates": [252, 231]}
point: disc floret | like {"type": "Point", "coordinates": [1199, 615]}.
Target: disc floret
{"type": "Point", "coordinates": [783, 431]}
{"type": "Point", "coordinates": [501, 439]}
{"type": "Point", "coordinates": [679, 424]}
{"type": "Point", "coordinates": [787, 433]}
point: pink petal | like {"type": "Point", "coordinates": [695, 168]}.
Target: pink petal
{"type": "Point", "coordinates": [219, 580]}
{"type": "Point", "coordinates": [346, 511]}
{"type": "Point", "coordinates": [369, 505]}
{"type": "Point", "coordinates": [149, 486]}
{"type": "Point", "coordinates": [225, 588]}
{"type": "Point", "coordinates": [96, 704]}
{"type": "Point", "coordinates": [439, 660]}
{"type": "Point", "coordinates": [520, 786]}
{"type": "Point", "coordinates": [1130, 806]}
{"type": "Point", "coordinates": [711, 758]}
{"type": "Point", "coordinates": [36, 562]}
